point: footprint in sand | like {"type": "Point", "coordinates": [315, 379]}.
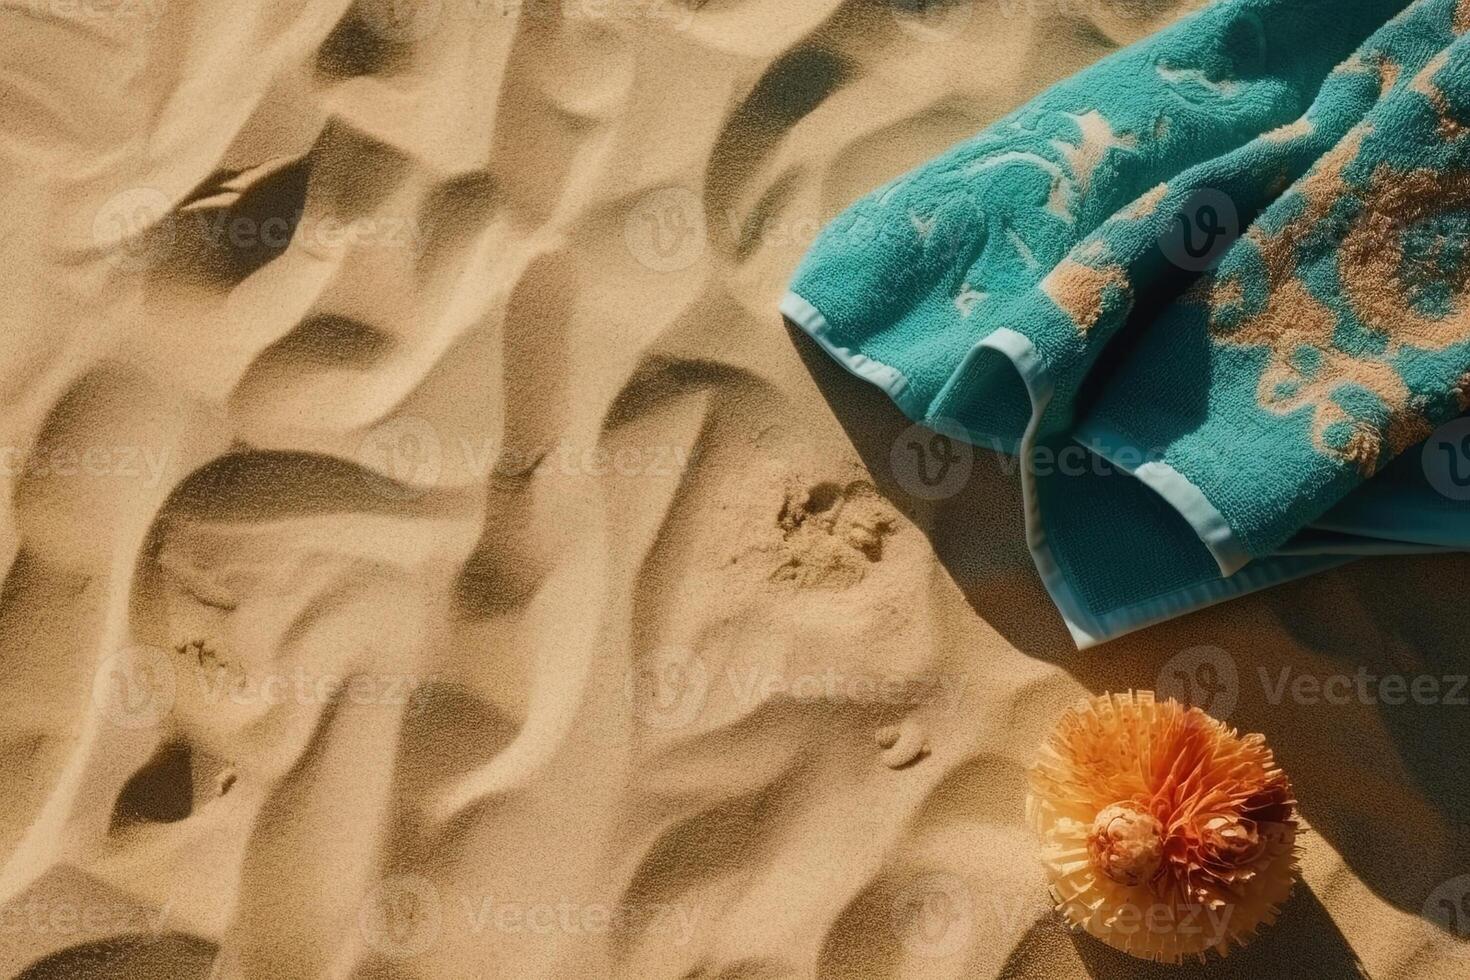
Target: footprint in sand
{"type": "Point", "coordinates": [830, 534]}
{"type": "Point", "coordinates": [902, 745]}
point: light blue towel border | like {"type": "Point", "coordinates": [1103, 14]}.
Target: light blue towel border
{"type": "Point", "coordinates": [1086, 629]}
{"type": "Point", "coordinates": [1405, 522]}
{"type": "Point", "coordinates": [891, 380]}
{"type": "Point", "coordinates": [1176, 488]}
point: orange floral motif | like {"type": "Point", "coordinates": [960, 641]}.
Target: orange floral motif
{"type": "Point", "coordinates": [1081, 290]}
{"type": "Point", "coordinates": [1372, 263]}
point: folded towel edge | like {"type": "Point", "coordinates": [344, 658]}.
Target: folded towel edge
{"type": "Point", "coordinates": [1182, 494]}
{"type": "Point", "coordinates": [1085, 628]}
{"type": "Point", "coordinates": [889, 379]}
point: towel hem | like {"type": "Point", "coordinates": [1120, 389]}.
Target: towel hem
{"type": "Point", "coordinates": [1181, 493]}
{"type": "Point", "coordinates": [889, 379]}
{"type": "Point", "coordinates": [1087, 630]}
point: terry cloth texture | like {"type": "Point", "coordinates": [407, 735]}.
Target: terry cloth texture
{"type": "Point", "coordinates": [1214, 291]}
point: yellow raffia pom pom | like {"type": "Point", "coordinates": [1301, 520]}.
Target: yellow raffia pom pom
{"type": "Point", "coordinates": [1165, 834]}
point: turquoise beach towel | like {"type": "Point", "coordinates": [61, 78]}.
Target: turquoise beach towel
{"type": "Point", "coordinates": [1224, 272]}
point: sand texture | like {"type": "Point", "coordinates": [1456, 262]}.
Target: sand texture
{"type": "Point", "coordinates": [429, 554]}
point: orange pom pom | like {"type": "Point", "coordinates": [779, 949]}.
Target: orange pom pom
{"type": "Point", "coordinates": [1165, 833]}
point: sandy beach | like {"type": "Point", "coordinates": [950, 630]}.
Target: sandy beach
{"type": "Point", "coordinates": [430, 553]}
